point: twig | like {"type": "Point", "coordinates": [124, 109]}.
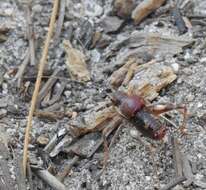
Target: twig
{"type": "Point", "coordinates": [44, 91]}
{"type": "Point", "coordinates": [30, 33]}
{"type": "Point", "coordinates": [57, 77]}
{"type": "Point", "coordinates": [48, 178]}
{"type": "Point", "coordinates": [22, 68]}
{"type": "Point", "coordinates": [187, 170]}
{"type": "Point", "coordinates": [59, 22]}
{"type": "Point", "coordinates": [19, 173]}
{"type": "Point", "coordinates": [6, 181]}
{"type": "Point", "coordinates": [174, 182]}
{"type": "Point", "coordinates": [177, 157]}
{"type": "Point", "coordinates": [38, 82]}
{"type": "Point", "coordinates": [54, 107]}
{"type": "Point", "coordinates": [53, 116]}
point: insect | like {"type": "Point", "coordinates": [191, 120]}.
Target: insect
{"type": "Point", "coordinates": [144, 117]}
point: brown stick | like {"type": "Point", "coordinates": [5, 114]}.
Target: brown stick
{"type": "Point", "coordinates": [38, 82]}
{"type": "Point", "coordinates": [22, 68]}
{"type": "Point", "coordinates": [60, 21]}
{"type": "Point", "coordinates": [47, 87]}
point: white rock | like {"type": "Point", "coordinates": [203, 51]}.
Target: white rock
{"type": "Point", "coordinates": [67, 93]}
{"type": "Point", "coordinates": [134, 133]}
{"type": "Point", "coordinates": [92, 9]}
{"type": "Point", "coordinates": [203, 59]}
{"type": "Point", "coordinates": [175, 67]}
{"type": "Point", "coordinates": [37, 8]}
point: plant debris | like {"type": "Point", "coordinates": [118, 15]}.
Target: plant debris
{"type": "Point", "coordinates": [76, 63]}
{"type": "Point", "coordinates": [96, 51]}
{"type": "Point", "coordinates": [144, 9]}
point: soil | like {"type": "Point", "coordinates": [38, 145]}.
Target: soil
{"type": "Point", "coordinates": [130, 164]}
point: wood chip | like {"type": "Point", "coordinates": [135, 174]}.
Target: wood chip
{"type": "Point", "coordinates": [150, 79]}
{"type": "Point", "coordinates": [159, 43]}
{"type": "Point", "coordinates": [144, 9]}
{"type": "Point", "coordinates": [118, 76]}
{"type": "Point", "coordinates": [92, 125]}
{"type": "Point", "coordinates": [76, 64]}
{"type": "Point", "coordinates": [148, 45]}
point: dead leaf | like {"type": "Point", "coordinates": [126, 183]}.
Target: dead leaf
{"type": "Point", "coordinates": [76, 64]}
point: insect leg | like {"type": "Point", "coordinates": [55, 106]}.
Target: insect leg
{"type": "Point", "coordinates": [163, 108]}
{"type": "Point", "coordinates": [105, 133]}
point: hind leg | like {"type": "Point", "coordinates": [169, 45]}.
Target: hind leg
{"type": "Point", "coordinates": [163, 108]}
{"type": "Point", "coordinates": [105, 133]}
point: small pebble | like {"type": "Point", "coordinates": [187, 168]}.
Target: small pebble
{"type": "Point", "coordinates": [111, 24]}
{"type": "Point", "coordinates": [189, 58]}
{"type": "Point", "coordinates": [37, 8]}
{"type": "Point", "coordinates": [203, 60]}
{"type": "Point", "coordinates": [9, 11]}
{"type": "Point", "coordinates": [175, 67]}
{"type": "Point", "coordinates": [42, 140]}
{"type": "Point", "coordinates": [134, 133]}
{"type": "Point", "coordinates": [92, 9]}
{"type": "Point", "coordinates": [190, 97]}
{"type": "Point", "coordinates": [67, 93]}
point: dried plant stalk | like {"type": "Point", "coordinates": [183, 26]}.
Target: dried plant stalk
{"type": "Point", "coordinates": [38, 82]}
